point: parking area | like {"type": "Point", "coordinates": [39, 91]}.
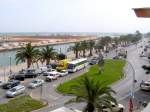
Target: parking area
{"type": "Point", "coordinates": [47, 90]}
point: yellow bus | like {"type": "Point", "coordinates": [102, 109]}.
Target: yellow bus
{"type": "Point", "coordinates": [62, 64]}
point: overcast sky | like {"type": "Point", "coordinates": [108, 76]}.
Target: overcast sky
{"type": "Point", "coordinates": [72, 16]}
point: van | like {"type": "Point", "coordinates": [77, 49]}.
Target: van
{"type": "Point", "coordinates": [15, 91]}
{"type": "Point", "coordinates": [43, 69]}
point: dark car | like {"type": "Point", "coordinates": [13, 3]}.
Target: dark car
{"type": "Point", "coordinates": [30, 75]}
{"type": "Point", "coordinates": [11, 84]}
{"type": "Point", "coordinates": [52, 65]}
{"type": "Point", "coordinates": [116, 57]}
{"type": "Point", "coordinates": [20, 77]}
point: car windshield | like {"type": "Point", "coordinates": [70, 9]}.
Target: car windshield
{"type": "Point", "coordinates": [51, 74]}
{"type": "Point", "coordinates": [12, 90]}
{"type": "Point", "coordinates": [62, 71]}
{"type": "Point", "coordinates": [34, 82]}
{"type": "Point", "coordinates": [30, 71]}
{"type": "Point", "coordinates": [70, 66]}
{"type": "Point", "coordinates": [93, 60]}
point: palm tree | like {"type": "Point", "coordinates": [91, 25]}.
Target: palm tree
{"type": "Point", "coordinates": [91, 45]}
{"type": "Point", "coordinates": [83, 47]}
{"type": "Point", "coordinates": [76, 49]}
{"type": "Point", "coordinates": [46, 54]}
{"type": "Point", "coordinates": [93, 93]}
{"type": "Point", "coordinates": [98, 47]}
{"type": "Point", "coordinates": [27, 53]}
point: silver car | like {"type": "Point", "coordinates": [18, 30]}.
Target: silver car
{"type": "Point", "coordinates": [145, 85]}
{"type": "Point", "coordinates": [115, 108]}
{"type": "Point", "coordinates": [17, 90]}
{"type": "Point", "coordinates": [36, 83]}
{"type": "Point", "coordinates": [63, 73]}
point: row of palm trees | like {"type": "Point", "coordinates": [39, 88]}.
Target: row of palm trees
{"type": "Point", "coordinates": [101, 43]}
{"type": "Point", "coordinates": [90, 45]}
{"type": "Point", "coordinates": [31, 54]}
{"type": "Point", "coordinates": [83, 47]}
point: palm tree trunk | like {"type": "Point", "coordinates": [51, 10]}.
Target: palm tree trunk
{"type": "Point", "coordinates": [83, 53]}
{"type": "Point", "coordinates": [47, 61]}
{"type": "Point", "coordinates": [76, 54]}
{"type": "Point", "coordinates": [90, 107]}
{"type": "Point", "coordinates": [91, 52]}
{"type": "Point", "coordinates": [29, 62]}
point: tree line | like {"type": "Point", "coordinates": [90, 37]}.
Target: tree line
{"type": "Point", "coordinates": [104, 44]}
{"type": "Point", "coordinates": [31, 54]}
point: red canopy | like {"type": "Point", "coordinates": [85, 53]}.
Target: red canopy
{"type": "Point", "coordinates": [142, 12]}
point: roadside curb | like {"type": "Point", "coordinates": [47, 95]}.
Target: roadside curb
{"type": "Point", "coordinates": [45, 103]}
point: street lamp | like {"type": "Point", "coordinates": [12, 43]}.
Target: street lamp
{"type": "Point", "coordinates": [10, 71]}
{"type": "Point", "coordinates": [132, 88]}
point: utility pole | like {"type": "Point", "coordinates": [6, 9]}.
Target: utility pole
{"type": "Point", "coordinates": [132, 88]}
{"type": "Point", "coordinates": [41, 92]}
{"type": "Point", "coordinates": [4, 74]}
{"type": "Point", "coordinates": [10, 71]}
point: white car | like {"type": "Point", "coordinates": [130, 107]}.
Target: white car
{"type": "Point", "coordinates": [145, 85]}
{"type": "Point", "coordinates": [36, 83]}
{"type": "Point", "coordinates": [17, 90]}
{"type": "Point", "coordinates": [48, 72]}
{"type": "Point", "coordinates": [115, 108]}
{"type": "Point", "coordinates": [62, 73]}
{"type": "Point", "coordinates": [52, 76]}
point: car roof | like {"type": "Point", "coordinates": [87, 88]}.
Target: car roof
{"type": "Point", "coordinates": [12, 81]}
{"type": "Point", "coordinates": [53, 72]}
{"type": "Point", "coordinates": [146, 82]}
{"type": "Point", "coordinates": [19, 86]}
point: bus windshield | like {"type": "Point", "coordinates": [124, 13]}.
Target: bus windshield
{"type": "Point", "coordinates": [70, 66]}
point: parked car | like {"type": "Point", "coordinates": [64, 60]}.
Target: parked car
{"type": "Point", "coordinates": [36, 83]}
{"type": "Point", "coordinates": [43, 69]}
{"type": "Point", "coordinates": [115, 108]}
{"type": "Point", "coordinates": [48, 72]}
{"type": "Point", "coordinates": [10, 84]}
{"type": "Point", "coordinates": [62, 73]}
{"type": "Point", "coordinates": [93, 61]}
{"type": "Point", "coordinates": [52, 76]}
{"type": "Point", "coordinates": [17, 90]}
{"type": "Point", "coordinates": [31, 73]}
{"type": "Point", "coordinates": [1, 83]}
{"type": "Point", "coordinates": [49, 66]}
{"type": "Point", "coordinates": [116, 57]}
{"type": "Point", "coordinates": [19, 77]}
{"type": "Point", "coordinates": [145, 85]}
{"type": "Point", "coordinates": [52, 66]}
{"type": "Point", "coordinates": [142, 55]}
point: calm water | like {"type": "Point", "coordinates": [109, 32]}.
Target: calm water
{"type": "Point", "coordinates": [5, 56]}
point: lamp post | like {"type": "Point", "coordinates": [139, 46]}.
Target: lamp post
{"type": "Point", "coordinates": [132, 88]}
{"type": "Point", "coordinates": [10, 71]}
